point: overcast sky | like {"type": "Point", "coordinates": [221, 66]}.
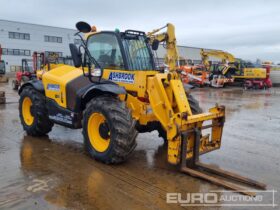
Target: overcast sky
{"type": "Point", "coordinates": [249, 29]}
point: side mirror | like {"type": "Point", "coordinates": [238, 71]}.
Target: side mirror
{"type": "Point", "coordinates": [83, 27]}
{"type": "Point", "coordinates": [76, 55]}
{"type": "Point", "coordinates": [155, 44]}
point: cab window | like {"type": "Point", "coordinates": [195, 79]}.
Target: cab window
{"type": "Point", "coordinates": [105, 49]}
{"type": "Point", "coordinates": [137, 52]}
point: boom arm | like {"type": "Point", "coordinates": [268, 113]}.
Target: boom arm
{"type": "Point", "coordinates": [172, 55]}
{"type": "Point", "coordinates": [171, 107]}
{"type": "Point", "coordinates": [224, 56]}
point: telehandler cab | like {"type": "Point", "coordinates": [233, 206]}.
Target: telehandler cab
{"type": "Point", "coordinates": [114, 91]}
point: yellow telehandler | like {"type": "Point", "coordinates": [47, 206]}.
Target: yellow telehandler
{"type": "Point", "coordinates": [114, 91]}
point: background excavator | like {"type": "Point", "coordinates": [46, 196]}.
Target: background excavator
{"type": "Point", "coordinates": [236, 70]}
{"type": "Point", "coordinates": [250, 76]}
{"type": "Point", "coordinates": [219, 74]}
{"type": "Point", "coordinates": [113, 94]}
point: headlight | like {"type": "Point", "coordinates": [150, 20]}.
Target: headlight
{"type": "Point", "coordinates": [96, 72]}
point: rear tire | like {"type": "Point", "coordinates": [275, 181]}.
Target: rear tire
{"type": "Point", "coordinates": [34, 119]}
{"type": "Point", "coordinates": [112, 114]}
{"type": "Point", "coordinates": [195, 108]}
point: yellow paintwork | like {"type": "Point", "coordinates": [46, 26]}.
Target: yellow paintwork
{"type": "Point", "coordinates": [247, 73]}
{"type": "Point", "coordinates": [97, 142]}
{"type": "Point", "coordinates": [170, 105]}
{"type": "Point", "coordinates": [26, 111]}
{"type": "Point", "coordinates": [176, 119]}
{"type": "Point", "coordinates": [224, 56]}
{"type": "Point", "coordinates": [252, 73]}
{"type": "Point", "coordinates": [172, 54]}
{"type": "Point", "coordinates": [59, 76]}
{"type": "Point", "coordinates": [140, 82]}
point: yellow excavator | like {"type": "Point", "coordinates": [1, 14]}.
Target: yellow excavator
{"type": "Point", "coordinates": [114, 91]}
{"type": "Point", "coordinates": [224, 56]}
{"type": "Point", "coordinates": [237, 70]}
{"type": "Point", "coordinates": [220, 74]}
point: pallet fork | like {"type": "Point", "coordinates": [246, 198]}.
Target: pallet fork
{"type": "Point", "coordinates": [195, 168]}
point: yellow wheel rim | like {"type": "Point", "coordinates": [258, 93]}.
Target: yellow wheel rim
{"type": "Point", "coordinates": [98, 142]}
{"type": "Point", "coordinates": [26, 111]}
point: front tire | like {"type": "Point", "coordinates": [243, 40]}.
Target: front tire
{"type": "Point", "coordinates": [33, 112]}
{"type": "Point", "coordinates": [109, 130]}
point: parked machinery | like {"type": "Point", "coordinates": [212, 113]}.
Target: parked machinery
{"type": "Point", "coordinates": [236, 70]}
{"type": "Point", "coordinates": [196, 75]}
{"type": "Point", "coordinates": [250, 76]}
{"type": "Point", "coordinates": [41, 63]}
{"type": "Point", "coordinates": [39, 60]}
{"type": "Point", "coordinates": [221, 73]}
{"type": "Point", "coordinates": [53, 60]}
{"type": "Point", "coordinates": [3, 78]}
{"type": "Point", "coordinates": [25, 74]}
{"type": "Point", "coordinates": [28, 69]}
{"type": "Point", "coordinates": [113, 91]}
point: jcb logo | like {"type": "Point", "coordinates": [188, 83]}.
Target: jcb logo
{"type": "Point", "coordinates": [192, 198]}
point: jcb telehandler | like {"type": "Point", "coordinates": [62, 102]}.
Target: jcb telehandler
{"type": "Point", "coordinates": [114, 91]}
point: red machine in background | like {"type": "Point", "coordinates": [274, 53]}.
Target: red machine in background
{"type": "Point", "coordinates": [28, 69]}
{"type": "Point", "coordinates": [39, 61]}
{"type": "Point", "coordinates": [259, 83]}
{"type": "Point", "coordinates": [193, 74]}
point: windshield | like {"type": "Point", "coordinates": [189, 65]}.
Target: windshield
{"type": "Point", "coordinates": [137, 52]}
{"type": "Point", "coordinates": [216, 68]}
{"type": "Point", "coordinates": [105, 49]}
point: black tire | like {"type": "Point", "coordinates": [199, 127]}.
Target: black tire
{"type": "Point", "coordinates": [14, 85]}
{"type": "Point", "coordinates": [121, 126]}
{"type": "Point", "coordinates": [196, 109]}
{"type": "Point", "coordinates": [194, 104]}
{"type": "Point", "coordinates": [41, 124]}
